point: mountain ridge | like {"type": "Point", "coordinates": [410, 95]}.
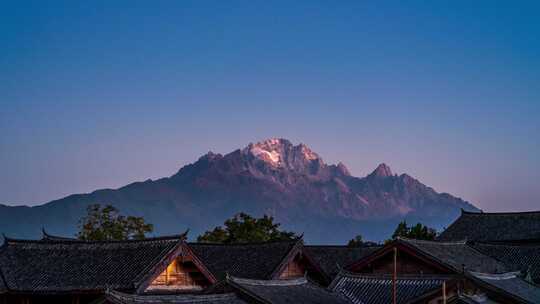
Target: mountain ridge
{"type": "Point", "coordinates": [275, 177]}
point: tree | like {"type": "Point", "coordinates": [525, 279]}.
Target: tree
{"type": "Point", "coordinates": [401, 230]}
{"type": "Point", "coordinates": [243, 228]}
{"type": "Point", "coordinates": [417, 232]}
{"type": "Point", "coordinates": [106, 223]}
{"type": "Point", "coordinates": [356, 241]}
{"type": "Point", "coordinates": [421, 232]}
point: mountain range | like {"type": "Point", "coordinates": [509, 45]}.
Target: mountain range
{"type": "Point", "coordinates": [275, 177]}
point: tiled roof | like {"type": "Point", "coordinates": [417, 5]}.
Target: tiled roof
{"type": "Point", "coordinates": [296, 291]}
{"type": "Point", "coordinates": [251, 260]}
{"type": "Point", "coordinates": [377, 289]}
{"type": "Point", "coordinates": [456, 255]}
{"type": "Point", "coordinates": [3, 287]}
{"type": "Point", "coordinates": [332, 259]}
{"type": "Point", "coordinates": [49, 237]}
{"type": "Point", "coordinates": [462, 299]}
{"type": "Point", "coordinates": [50, 266]}
{"type": "Point", "coordinates": [510, 226]}
{"type": "Point", "coordinates": [510, 285]}
{"type": "Point", "coordinates": [115, 297]}
{"type": "Point", "coordinates": [524, 257]}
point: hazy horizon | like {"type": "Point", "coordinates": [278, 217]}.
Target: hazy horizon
{"type": "Point", "coordinates": [97, 95]}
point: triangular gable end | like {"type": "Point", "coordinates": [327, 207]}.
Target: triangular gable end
{"type": "Point", "coordinates": [180, 270]}
{"type": "Point", "coordinates": [409, 261]}
{"type": "Point", "coordinates": [180, 274]}
{"type": "Point", "coordinates": [294, 269]}
{"type": "Point", "coordinates": [297, 264]}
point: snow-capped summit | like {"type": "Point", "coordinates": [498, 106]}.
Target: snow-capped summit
{"type": "Point", "coordinates": [268, 155]}
{"type": "Point", "coordinates": [275, 177]}
{"type": "Point", "coordinates": [279, 152]}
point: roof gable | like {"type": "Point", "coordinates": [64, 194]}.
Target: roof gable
{"type": "Point", "coordinates": [375, 289]}
{"type": "Point", "coordinates": [175, 258]}
{"type": "Point", "coordinates": [49, 266]}
{"type": "Point", "coordinates": [457, 256]}
{"type": "Point", "coordinates": [251, 260]}
{"type": "Point", "coordinates": [450, 257]}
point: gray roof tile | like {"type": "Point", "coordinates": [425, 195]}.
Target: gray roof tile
{"type": "Point", "coordinates": [509, 284]}
{"type": "Point", "coordinates": [457, 255]}
{"type": "Point", "coordinates": [332, 259]}
{"type": "Point", "coordinates": [510, 226]}
{"type": "Point", "coordinates": [115, 297]}
{"type": "Point", "coordinates": [251, 260]}
{"type": "Point", "coordinates": [524, 257]}
{"type": "Point", "coordinates": [298, 291]}
{"type": "Point", "coordinates": [377, 289]}
{"type": "Point", "coordinates": [56, 266]}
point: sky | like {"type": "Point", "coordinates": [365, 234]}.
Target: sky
{"type": "Point", "coordinates": [98, 94]}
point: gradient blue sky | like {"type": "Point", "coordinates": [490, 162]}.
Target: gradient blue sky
{"type": "Point", "coordinates": [96, 95]}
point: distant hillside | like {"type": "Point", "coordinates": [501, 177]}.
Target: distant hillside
{"type": "Point", "coordinates": [274, 177]}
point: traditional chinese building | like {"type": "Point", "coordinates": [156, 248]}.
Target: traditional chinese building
{"type": "Point", "coordinates": [509, 227]}
{"type": "Point", "coordinates": [331, 259]}
{"type": "Point", "coordinates": [65, 270]}
{"type": "Point", "coordinates": [414, 271]}
{"type": "Point", "coordinates": [464, 265]}
{"type": "Point", "coordinates": [239, 291]}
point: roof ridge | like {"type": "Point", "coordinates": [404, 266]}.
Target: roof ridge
{"type": "Point", "coordinates": [504, 243]}
{"type": "Point", "coordinates": [78, 241]}
{"type": "Point", "coordinates": [193, 298]}
{"type": "Point", "coordinates": [460, 242]}
{"type": "Point", "coordinates": [346, 273]}
{"type": "Point", "coordinates": [496, 276]}
{"type": "Point", "coordinates": [48, 236]}
{"type": "Point", "coordinates": [499, 213]}
{"type": "Point", "coordinates": [337, 246]}
{"type": "Point", "coordinates": [242, 244]}
{"type": "Point", "coordinates": [344, 246]}
{"type": "Point", "coordinates": [288, 282]}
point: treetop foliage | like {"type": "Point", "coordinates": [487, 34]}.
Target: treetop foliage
{"type": "Point", "coordinates": [243, 228]}
{"type": "Point", "coordinates": [106, 224]}
{"type": "Point", "coordinates": [417, 232]}
{"type": "Point", "coordinates": [356, 241]}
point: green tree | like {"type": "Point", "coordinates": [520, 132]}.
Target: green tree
{"type": "Point", "coordinates": [357, 241]}
{"type": "Point", "coordinates": [243, 228]}
{"type": "Point", "coordinates": [421, 232]}
{"type": "Point", "coordinates": [106, 223]}
{"type": "Point", "coordinates": [417, 232]}
{"type": "Point", "coordinates": [402, 230]}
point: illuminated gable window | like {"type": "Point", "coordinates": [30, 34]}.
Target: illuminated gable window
{"type": "Point", "coordinates": [294, 269]}
{"type": "Point", "coordinates": [179, 274]}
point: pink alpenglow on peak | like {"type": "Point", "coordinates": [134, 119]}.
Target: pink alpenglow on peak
{"type": "Point", "coordinates": [279, 152]}
{"type": "Point", "coordinates": [275, 177]}
{"type": "Point", "coordinates": [382, 171]}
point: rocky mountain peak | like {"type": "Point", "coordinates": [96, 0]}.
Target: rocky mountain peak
{"type": "Point", "coordinates": [210, 156]}
{"type": "Point", "coordinates": [273, 176]}
{"type": "Point", "coordinates": [343, 169]}
{"type": "Point", "coordinates": [382, 170]}
{"type": "Point", "coordinates": [279, 152]}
